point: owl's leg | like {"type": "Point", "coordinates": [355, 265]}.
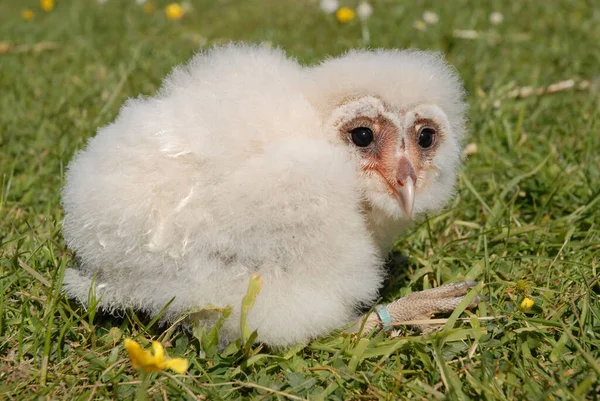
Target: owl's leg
{"type": "Point", "coordinates": [421, 305]}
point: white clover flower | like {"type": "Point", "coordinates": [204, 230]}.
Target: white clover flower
{"type": "Point", "coordinates": [419, 25]}
{"type": "Point", "coordinates": [496, 18]}
{"type": "Point", "coordinates": [364, 11]}
{"type": "Point", "coordinates": [102, 1]}
{"type": "Point", "coordinates": [329, 6]}
{"type": "Point", "coordinates": [430, 17]}
{"type": "Point", "coordinates": [140, 2]}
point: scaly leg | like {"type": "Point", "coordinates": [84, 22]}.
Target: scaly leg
{"type": "Point", "coordinates": [422, 305]}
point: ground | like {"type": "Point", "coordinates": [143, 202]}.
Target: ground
{"type": "Point", "coordinates": [525, 221]}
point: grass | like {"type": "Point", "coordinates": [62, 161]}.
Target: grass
{"type": "Point", "coordinates": [525, 221]}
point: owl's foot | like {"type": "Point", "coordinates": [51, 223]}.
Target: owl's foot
{"type": "Point", "coordinates": [421, 305]}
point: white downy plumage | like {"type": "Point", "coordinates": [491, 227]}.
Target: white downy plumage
{"type": "Point", "coordinates": [247, 162]}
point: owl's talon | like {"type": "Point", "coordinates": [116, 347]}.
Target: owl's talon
{"type": "Point", "coordinates": [423, 305]}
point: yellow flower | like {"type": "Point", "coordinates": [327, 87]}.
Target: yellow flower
{"type": "Point", "coordinates": [526, 304]}
{"type": "Point", "coordinates": [148, 8]}
{"type": "Point", "coordinates": [152, 362]}
{"type": "Point", "coordinates": [345, 14]}
{"type": "Point", "coordinates": [174, 11]}
{"type": "Point", "coordinates": [47, 5]}
{"type": "Point", "coordinates": [27, 15]}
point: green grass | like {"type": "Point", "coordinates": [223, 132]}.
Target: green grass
{"type": "Point", "coordinates": [528, 205]}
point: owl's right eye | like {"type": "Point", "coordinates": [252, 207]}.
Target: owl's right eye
{"type": "Point", "coordinates": [362, 136]}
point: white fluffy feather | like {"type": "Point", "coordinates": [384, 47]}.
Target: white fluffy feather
{"type": "Point", "coordinates": [229, 170]}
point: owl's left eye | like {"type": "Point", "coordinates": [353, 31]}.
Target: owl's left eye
{"type": "Point", "coordinates": [362, 136]}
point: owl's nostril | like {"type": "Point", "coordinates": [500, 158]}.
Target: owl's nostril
{"type": "Point", "coordinates": [400, 182]}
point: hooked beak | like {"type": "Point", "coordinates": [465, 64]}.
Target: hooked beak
{"type": "Point", "coordinates": [406, 196]}
{"type": "Point", "coordinates": [405, 180]}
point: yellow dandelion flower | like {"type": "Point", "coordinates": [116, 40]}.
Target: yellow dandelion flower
{"type": "Point", "coordinates": [174, 11]}
{"type": "Point", "coordinates": [27, 15]}
{"type": "Point", "coordinates": [47, 5]}
{"type": "Point", "coordinates": [148, 8]}
{"type": "Point", "coordinates": [345, 15]}
{"type": "Point", "coordinates": [152, 362]}
{"type": "Point", "coordinates": [526, 304]}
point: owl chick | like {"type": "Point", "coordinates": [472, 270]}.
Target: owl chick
{"type": "Point", "coordinates": [246, 162]}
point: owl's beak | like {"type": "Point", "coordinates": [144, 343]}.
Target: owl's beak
{"type": "Point", "coordinates": [405, 180]}
{"type": "Point", "coordinates": [406, 196]}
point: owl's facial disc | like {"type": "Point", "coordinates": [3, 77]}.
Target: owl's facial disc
{"type": "Point", "coordinates": [394, 149]}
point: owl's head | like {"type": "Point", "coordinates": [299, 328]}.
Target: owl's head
{"type": "Point", "coordinates": [401, 115]}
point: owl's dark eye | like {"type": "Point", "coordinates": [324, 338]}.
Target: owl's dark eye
{"type": "Point", "coordinates": [426, 137]}
{"type": "Point", "coordinates": [362, 136]}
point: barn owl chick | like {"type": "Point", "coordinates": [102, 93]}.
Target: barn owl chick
{"type": "Point", "coordinates": [246, 162]}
